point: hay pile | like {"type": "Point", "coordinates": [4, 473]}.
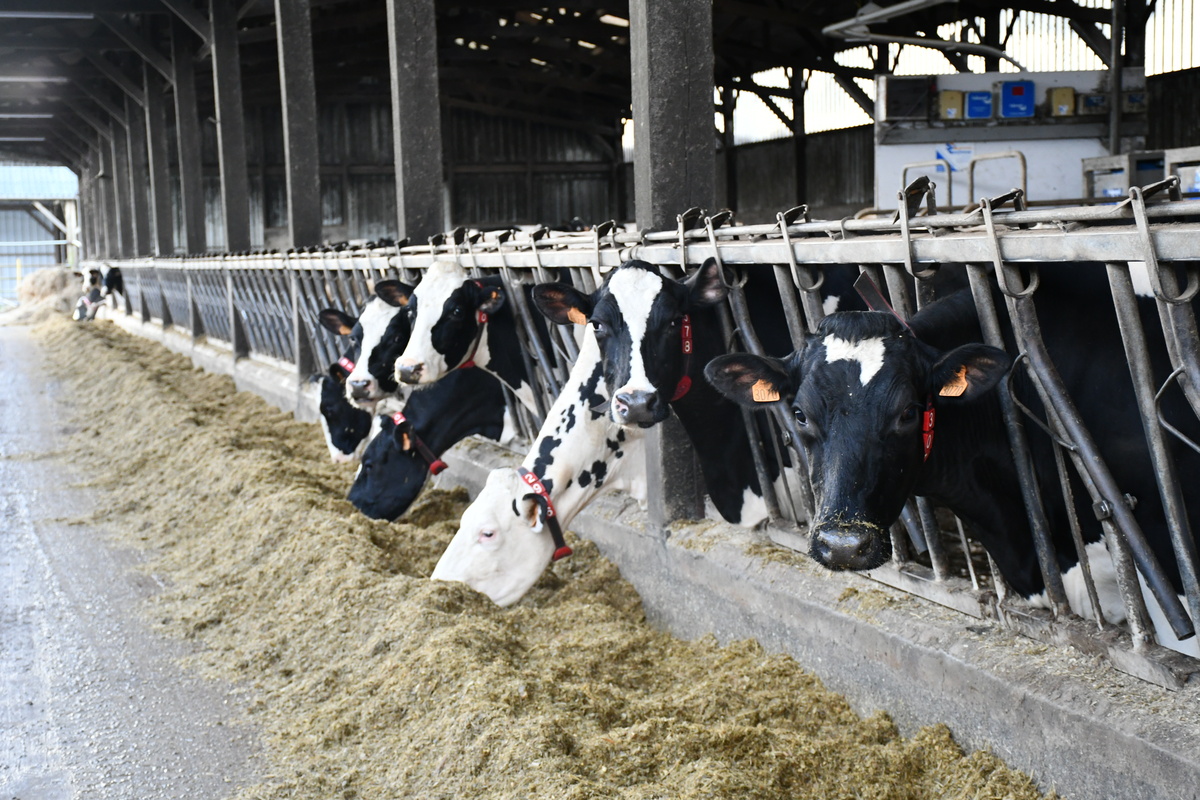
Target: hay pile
{"type": "Point", "coordinates": [44, 294]}
{"type": "Point", "coordinates": [373, 682]}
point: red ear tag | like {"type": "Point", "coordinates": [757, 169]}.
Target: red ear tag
{"type": "Point", "coordinates": [346, 364]}
{"type": "Point", "coordinates": [927, 427]}
{"type": "Point", "coordinates": [482, 317]}
{"type": "Point", "coordinates": [437, 466]}
{"type": "Point", "coordinates": [562, 552]}
{"type": "Point", "coordinates": [398, 418]}
{"type": "Point", "coordinates": [682, 388]}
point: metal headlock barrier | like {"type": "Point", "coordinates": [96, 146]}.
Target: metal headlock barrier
{"type": "Point", "coordinates": [266, 304]}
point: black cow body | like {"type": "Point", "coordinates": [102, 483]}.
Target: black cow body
{"type": "Point", "coordinates": [860, 388]}
{"type": "Point", "coordinates": [393, 471]}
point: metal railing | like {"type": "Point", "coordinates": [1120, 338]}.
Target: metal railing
{"type": "Point", "coordinates": [266, 304]}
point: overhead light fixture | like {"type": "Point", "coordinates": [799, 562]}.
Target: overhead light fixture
{"type": "Point", "coordinates": [609, 19]}
{"type": "Point", "coordinates": [22, 138]}
{"type": "Point", "coordinates": [26, 116]}
{"type": "Point", "coordinates": [45, 15]}
{"type": "Point", "coordinates": [33, 79]}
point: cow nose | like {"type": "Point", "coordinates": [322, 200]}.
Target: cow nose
{"type": "Point", "coordinates": [360, 390]}
{"type": "Point", "coordinates": [848, 547]}
{"type": "Point", "coordinates": [409, 373]}
{"type": "Point", "coordinates": [636, 406]}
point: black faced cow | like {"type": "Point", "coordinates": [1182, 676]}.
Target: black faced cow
{"type": "Point", "coordinates": [370, 382]}
{"type": "Point", "coordinates": [409, 444]}
{"type": "Point", "coordinates": [886, 412]}
{"type": "Point", "coordinates": [457, 322]}
{"type": "Point", "coordinates": [346, 427]}
{"type": "Point", "coordinates": [655, 336]}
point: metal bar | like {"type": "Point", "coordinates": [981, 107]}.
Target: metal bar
{"type": "Point", "coordinates": [298, 93]}
{"type": "Point", "coordinates": [231, 126]}
{"type": "Point", "coordinates": [157, 168]}
{"type": "Point", "coordinates": [139, 208]}
{"type": "Point", "coordinates": [194, 19]}
{"type": "Point", "coordinates": [187, 133]}
{"type": "Point", "coordinates": [139, 44]}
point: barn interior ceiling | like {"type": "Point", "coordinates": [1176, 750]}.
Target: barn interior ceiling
{"type": "Point", "coordinates": [566, 65]}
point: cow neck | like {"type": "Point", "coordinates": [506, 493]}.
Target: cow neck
{"type": "Point", "coordinates": [875, 301]}
{"type": "Point", "coordinates": [481, 319]}
{"type": "Point", "coordinates": [549, 516]}
{"type": "Point", "coordinates": [436, 464]}
{"type": "Point", "coordinates": [685, 338]}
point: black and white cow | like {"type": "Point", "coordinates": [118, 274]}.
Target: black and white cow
{"type": "Point", "coordinates": [502, 544]}
{"type": "Point", "coordinates": [655, 336]}
{"type": "Point", "coordinates": [886, 412]}
{"type": "Point", "coordinates": [457, 321]}
{"type": "Point", "coordinates": [346, 427]}
{"type": "Point", "coordinates": [370, 381]}
{"type": "Point", "coordinates": [409, 444]}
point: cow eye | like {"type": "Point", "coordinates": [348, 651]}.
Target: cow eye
{"type": "Point", "coordinates": [599, 327]}
{"type": "Point", "coordinates": [801, 419]}
{"type": "Point", "coordinates": [909, 413]}
{"type": "Point", "coordinates": [457, 312]}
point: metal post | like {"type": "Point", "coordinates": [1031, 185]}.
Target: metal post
{"type": "Point", "coordinates": [297, 86]}
{"type": "Point", "coordinates": [231, 126]}
{"type": "Point", "coordinates": [139, 203]}
{"type": "Point", "coordinates": [728, 147]}
{"type": "Point", "coordinates": [122, 205]}
{"type": "Point", "coordinates": [416, 117]}
{"type": "Point", "coordinates": [237, 332]}
{"type": "Point", "coordinates": [671, 55]}
{"type": "Point", "coordinates": [158, 169]}
{"type": "Point", "coordinates": [107, 204]}
{"type": "Point", "coordinates": [1115, 63]}
{"type": "Point", "coordinates": [187, 132]}
{"type": "Point", "coordinates": [799, 136]}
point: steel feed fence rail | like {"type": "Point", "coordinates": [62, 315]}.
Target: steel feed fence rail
{"type": "Point", "coordinates": [267, 305]}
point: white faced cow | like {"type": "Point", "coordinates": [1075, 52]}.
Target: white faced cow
{"type": "Point", "coordinates": [370, 381]}
{"type": "Point", "coordinates": [458, 322]}
{"type": "Point", "coordinates": [655, 336]}
{"type": "Point", "coordinates": [502, 544]}
{"type": "Point", "coordinates": [886, 411]}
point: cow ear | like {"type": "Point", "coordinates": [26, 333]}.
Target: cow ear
{"type": "Point", "coordinates": [491, 299]}
{"type": "Point", "coordinates": [530, 512]}
{"type": "Point", "coordinates": [967, 372]}
{"type": "Point", "coordinates": [705, 285]}
{"type": "Point", "coordinates": [749, 380]}
{"type": "Point", "coordinates": [562, 304]}
{"type": "Point", "coordinates": [336, 321]}
{"type": "Point", "coordinates": [394, 293]}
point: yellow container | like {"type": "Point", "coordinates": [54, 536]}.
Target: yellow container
{"type": "Point", "coordinates": [1061, 101]}
{"type": "Point", "coordinates": [950, 104]}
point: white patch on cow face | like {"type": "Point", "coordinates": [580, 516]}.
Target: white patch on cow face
{"type": "Point", "coordinates": [830, 304]}
{"type": "Point", "coordinates": [436, 286]}
{"type": "Point", "coordinates": [867, 352]}
{"type": "Point", "coordinates": [336, 455]}
{"type": "Point", "coordinates": [634, 291]}
{"type": "Point", "coordinates": [374, 321]}
{"type": "Point", "coordinates": [495, 551]}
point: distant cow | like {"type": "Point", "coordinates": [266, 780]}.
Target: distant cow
{"type": "Point", "coordinates": [368, 384]}
{"type": "Point", "coordinates": [346, 427]}
{"type": "Point", "coordinates": [886, 412]}
{"type": "Point", "coordinates": [503, 543]}
{"type": "Point", "coordinates": [457, 321]}
{"type": "Point", "coordinates": [409, 445]}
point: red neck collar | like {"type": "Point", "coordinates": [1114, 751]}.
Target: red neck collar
{"type": "Point", "coordinates": [685, 335]}
{"type": "Point", "coordinates": [436, 465]}
{"type": "Point", "coordinates": [542, 498]}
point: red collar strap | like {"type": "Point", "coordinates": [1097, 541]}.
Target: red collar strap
{"type": "Point", "coordinates": [685, 334]}
{"type": "Point", "coordinates": [927, 425]}
{"type": "Point", "coordinates": [481, 319]}
{"type": "Point", "coordinates": [436, 465]}
{"type": "Point", "coordinates": [542, 498]}
{"type": "Point", "coordinates": [346, 364]}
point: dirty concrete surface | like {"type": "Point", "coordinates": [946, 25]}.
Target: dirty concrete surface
{"type": "Point", "coordinates": [93, 704]}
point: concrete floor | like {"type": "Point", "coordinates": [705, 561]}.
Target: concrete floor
{"type": "Point", "coordinates": [93, 704]}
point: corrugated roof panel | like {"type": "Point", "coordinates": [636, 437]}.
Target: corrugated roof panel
{"type": "Point", "coordinates": [37, 183]}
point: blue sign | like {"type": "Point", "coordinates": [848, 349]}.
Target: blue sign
{"type": "Point", "coordinates": [1016, 99]}
{"type": "Point", "coordinates": [978, 105]}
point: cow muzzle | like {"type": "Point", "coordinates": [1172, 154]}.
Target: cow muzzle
{"type": "Point", "coordinates": [409, 372]}
{"type": "Point", "coordinates": [361, 390]}
{"type": "Point", "coordinates": [850, 546]}
{"type": "Point", "coordinates": [638, 407]}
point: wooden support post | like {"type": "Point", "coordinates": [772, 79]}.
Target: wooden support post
{"type": "Point", "coordinates": [139, 208]}
{"type": "Point", "coordinates": [158, 170]}
{"type": "Point", "coordinates": [298, 90]}
{"type": "Point", "coordinates": [674, 169]}
{"type": "Point", "coordinates": [187, 133]}
{"type": "Point", "coordinates": [231, 126]}
{"type": "Point", "coordinates": [416, 117]}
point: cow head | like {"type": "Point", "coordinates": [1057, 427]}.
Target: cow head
{"type": "Point", "coordinates": [363, 388]}
{"type": "Point", "coordinates": [345, 426]}
{"type": "Point", "coordinates": [391, 475]}
{"type": "Point", "coordinates": [638, 317]}
{"type": "Point", "coordinates": [500, 548]}
{"type": "Point", "coordinates": [447, 313]}
{"type": "Point", "coordinates": [859, 389]}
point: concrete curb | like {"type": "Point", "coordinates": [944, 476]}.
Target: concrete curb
{"type": "Point", "coordinates": [1069, 719]}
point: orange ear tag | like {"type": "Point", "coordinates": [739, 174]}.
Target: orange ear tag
{"type": "Point", "coordinates": [407, 445]}
{"type": "Point", "coordinates": [576, 316]}
{"type": "Point", "coordinates": [763, 392]}
{"type": "Point", "coordinates": [956, 385]}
